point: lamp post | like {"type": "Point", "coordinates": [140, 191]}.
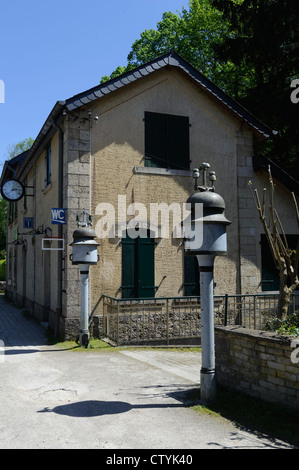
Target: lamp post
{"type": "Point", "coordinates": [205, 238]}
{"type": "Point", "coordinates": [84, 255]}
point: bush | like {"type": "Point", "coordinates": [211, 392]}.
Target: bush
{"type": "Point", "coordinates": [2, 269]}
{"type": "Point", "coordinates": [289, 326]}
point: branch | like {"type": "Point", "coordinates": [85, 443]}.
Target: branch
{"type": "Point", "coordinates": [296, 207]}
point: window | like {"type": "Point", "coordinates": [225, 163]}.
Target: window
{"type": "Point", "coordinates": [270, 275]}
{"type": "Point", "coordinates": [191, 276]}
{"type": "Point", "coordinates": [25, 193]}
{"type": "Point", "coordinates": [138, 273]}
{"type": "Point", "coordinates": [166, 141]}
{"type": "Point", "coordinates": [12, 211]}
{"type": "Point", "coordinates": [48, 165]}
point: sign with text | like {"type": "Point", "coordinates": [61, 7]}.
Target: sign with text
{"type": "Point", "coordinates": [58, 216]}
{"type": "Point", "coordinates": [28, 222]}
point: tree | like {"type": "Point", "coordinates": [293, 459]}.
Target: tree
{"type": "Point", "coordinates": [285, 259]}
{"type": "Point", "coordinates": [118, 71]}
{"type": "Point", "coordinates": [248, 48]}
{"type": "Point", "coordinates": [263, 41]}
{"type": "Point", "coordinates": [12, 152]}
{"type": "Point", "coordinates": [20, 147]}
{"type": "Point", "coordinates": [192, 34]}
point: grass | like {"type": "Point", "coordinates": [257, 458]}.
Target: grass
{"type": "Point", "coordinates": [253, 414]}
{"type": "Point", "coordinates": [246, 412]}
{"type": "Point", "coordinates": [94, 344]}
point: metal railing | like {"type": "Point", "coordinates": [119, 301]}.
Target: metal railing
{"type": "Point", "coordinates": [252, 311]}
{"type": "Point", "coordinates": [173, 320]}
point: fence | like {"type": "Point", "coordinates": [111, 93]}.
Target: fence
{"type": "Point", "coordinates": [173, 320]}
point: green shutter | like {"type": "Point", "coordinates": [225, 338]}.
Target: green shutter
{"type": "Point", "coordinates": [146, 268]}
{"type": "Point", "coordinates": [155, 140]}
{"type": "Point", "coordinates": [191, 276]}
{"type": "Point", "coordinates": [166, 141]}
{"type": "Point", "coordinates": [128, 268]}
{"type": "Point", "coordinates": [138, 270]}
{"type": "Point", "coordinates": [178, 143]}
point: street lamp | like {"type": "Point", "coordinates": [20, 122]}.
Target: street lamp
{"type": "Point", "coordinates": [84, 255]}
{"type": "Point", "coordinates": [205, 238]}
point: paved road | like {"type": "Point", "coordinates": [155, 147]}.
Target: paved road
{"type": "Point", "coordinates": [130, 399]}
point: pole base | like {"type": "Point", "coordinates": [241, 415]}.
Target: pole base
{"type": "Point", "coordinates": [84, 339]}
{"type": "Point", "coordinates": [208, 385]}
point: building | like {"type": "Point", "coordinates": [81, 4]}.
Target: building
{"type": "Point", "coordinates": [134, 141]}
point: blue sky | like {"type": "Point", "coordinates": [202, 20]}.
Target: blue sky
{"type": "Point", "coordinates": [52, 50]}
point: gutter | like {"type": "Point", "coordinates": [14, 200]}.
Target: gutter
{"type": "Point", "coordinates": [60, 227]}
{"type": "Point", "coordinates": [33, 154]}
{"type": "Point", "coordinates": [39, 143]}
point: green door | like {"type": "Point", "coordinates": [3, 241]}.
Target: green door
{"type": "Point", "coordinates": [138, 269]}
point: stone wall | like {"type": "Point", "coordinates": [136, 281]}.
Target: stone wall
{"type": "Point", "coordinates": [258, 363]}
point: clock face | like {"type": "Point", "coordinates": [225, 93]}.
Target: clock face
{"type": "Point", "coordinates": [12, 190]}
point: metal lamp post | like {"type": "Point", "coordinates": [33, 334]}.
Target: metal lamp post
{"type": "Point", "coordinates": [84, 255]}
{"type": "Point", "coordinates": [205, 238]}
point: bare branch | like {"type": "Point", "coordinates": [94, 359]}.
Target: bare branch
{"type": "Point", "coordinates": [286, 260]}
{"type": "Point", "coordinates": [282, 230]}
{"type": "Point", "coordinates": [296, 207]}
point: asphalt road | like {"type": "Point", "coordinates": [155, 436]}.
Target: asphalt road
{"type": "Point", "coordinates": [114, 400]}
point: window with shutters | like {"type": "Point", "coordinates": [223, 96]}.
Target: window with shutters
{"type": "Point", "coordinates": [48, 165]}
{"type": "Point", "coordinates": [167, 141]}
{"type": "Point", "coordinates": [138, 267]}
{"type": "Point", "coordinates": [270, 275]}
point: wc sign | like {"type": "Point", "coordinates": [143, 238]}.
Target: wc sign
{"type": "Point", "coordinates": [58, 216]}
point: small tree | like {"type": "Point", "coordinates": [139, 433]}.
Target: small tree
{"type": "Point", "coordinates": [285, 259]}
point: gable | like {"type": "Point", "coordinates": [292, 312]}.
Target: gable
{"type": "Point", "coordinates": [167, 61]}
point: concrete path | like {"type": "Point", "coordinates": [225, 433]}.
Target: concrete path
{"type": "Point", "coordinates": [114, 399]}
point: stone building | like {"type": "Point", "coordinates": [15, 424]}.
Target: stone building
{"type": "Point", "coordinates": [135, 140]}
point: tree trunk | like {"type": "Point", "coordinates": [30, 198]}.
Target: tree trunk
{"type": "Point", "coordinates": [285, 294]}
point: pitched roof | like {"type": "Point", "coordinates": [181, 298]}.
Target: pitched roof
{"type": "Point", "coordinates": [168, 60]}
{"type": "Point", "coordinates": [11, 166]}
{"type": "Point", "coordinates": [262, 163]}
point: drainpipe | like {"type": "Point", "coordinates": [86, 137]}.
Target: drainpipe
{"type": "Point", "coordinates": [60, 227]}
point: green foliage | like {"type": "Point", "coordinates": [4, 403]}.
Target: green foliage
{"type": "Point", "coordinates": [192, 34]}
{"type": "Point", "coordinates": [118, 71]}
{"type": "Point", "coordinates": [249, 49]}
{"type": "Point", "coordinates": [263, 41]}
{"type": "Point", "coordinates": [2, 269]}
{"type": "Point", "coordinates": [288, 326]}
{"type": "Point", "coordinates": [20, 147]}
{"type": "Point", "coordinates": [12, 152]}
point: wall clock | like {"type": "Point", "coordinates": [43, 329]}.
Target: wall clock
{"type": "Point", "coordinates": [12, 190]}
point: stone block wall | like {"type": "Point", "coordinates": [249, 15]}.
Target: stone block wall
{"type": "Point", "coordinates": [258, 363]}
{"type": "Point", "coordinates": [249, 273]}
